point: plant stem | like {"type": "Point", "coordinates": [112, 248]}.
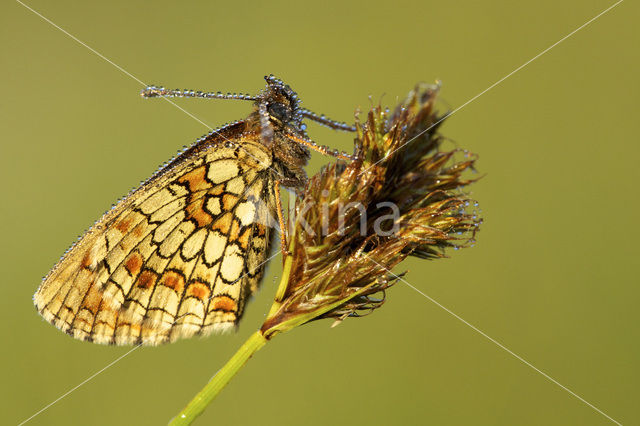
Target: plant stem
{"type": "Point", "coordinates": [197, 405]}
{"type": "Point", "coordinates": [282, 287]}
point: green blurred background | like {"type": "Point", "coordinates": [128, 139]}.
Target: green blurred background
{"type": "Point", "coordinates": [553, 278]}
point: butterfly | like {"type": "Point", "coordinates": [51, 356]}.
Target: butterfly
{"type": "Point", "coordinates": [180, 255]}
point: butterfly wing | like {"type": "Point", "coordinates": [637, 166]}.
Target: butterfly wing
{"type": "Point", "coordinates": [177, 257]}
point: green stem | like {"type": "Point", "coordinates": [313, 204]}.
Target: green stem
{"type": "Point", "coordinates": [282, 287]}
{"type": "Point", "coordinates": [222, 377]}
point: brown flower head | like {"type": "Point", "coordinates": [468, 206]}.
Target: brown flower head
{"type": "Point", "coordinates": [355, 222]}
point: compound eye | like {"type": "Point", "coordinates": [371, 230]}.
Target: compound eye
{"type": "Point", "coordinates": [278, 111]}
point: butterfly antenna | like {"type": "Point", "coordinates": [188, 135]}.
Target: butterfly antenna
{"type": "Point", "coordinates": [158, 92]}
{"type": "Point", "coordinates": [325, 121]}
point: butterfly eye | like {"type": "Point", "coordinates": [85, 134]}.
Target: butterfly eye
{"type": "Point", "coordinates": [279, 111]}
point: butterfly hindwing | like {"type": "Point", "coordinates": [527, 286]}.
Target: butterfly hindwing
{"type": "Point", "coordinates": [177, 257]}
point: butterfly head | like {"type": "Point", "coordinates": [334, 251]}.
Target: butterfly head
{"type": "Point", "coordinates": [282, 105]}
{"type": "Point", "coordinates": [278, 110]}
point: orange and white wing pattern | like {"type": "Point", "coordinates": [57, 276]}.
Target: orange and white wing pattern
{"type": "Point", "coordinates": [177, 257]}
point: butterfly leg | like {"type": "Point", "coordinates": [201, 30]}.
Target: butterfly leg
{"type": "Point", "coordinates": [325, 150]}
{"type": "Point", "coordinates": [283, 228]}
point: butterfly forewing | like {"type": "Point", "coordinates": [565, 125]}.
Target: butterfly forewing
{"type": "Point", "coordinates": [179, 256]}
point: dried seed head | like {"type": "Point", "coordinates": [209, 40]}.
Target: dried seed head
{"type": "Point", "coordinates": [355, 222]}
